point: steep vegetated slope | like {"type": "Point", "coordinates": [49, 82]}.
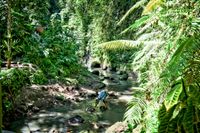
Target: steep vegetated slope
{"type": "Point", "coordinates": [168, 97]}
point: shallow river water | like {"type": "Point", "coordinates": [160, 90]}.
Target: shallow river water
{"type": "Point", "coordinates": [55, 119]}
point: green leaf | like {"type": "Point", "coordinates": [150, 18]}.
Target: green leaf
{"type": "Point", "coordinates": [131, 10]}
{"type": "Point", "coordinates": [119, 44]}
{"type": "Point", "coordinates": [164, 118]}
{"type": "Point", "coordinates": [188, 119]}
{"type": "Point", "coordinates": [137, 24]}
{"type": "Point", "coordinates": [180, 50]}
{"type": "Point", "coordinates": [173, 96]}
{"type": "Point", "coordinates": [17, 13]}
{"type": "Point", "coordinates": [151, 6]}
{"type": "Point", "coordinates": [177, 110]}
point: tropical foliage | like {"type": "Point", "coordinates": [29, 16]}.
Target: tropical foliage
{"type": "Point", "coordinates": [168, 70]}
{"type": "Point", "coordinates": [157, 39]}
{"type": "Point", "coordinates": [51, 39]}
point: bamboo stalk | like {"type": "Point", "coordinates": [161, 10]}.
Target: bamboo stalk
{"type": "Point", "coordinates": [9, 37]}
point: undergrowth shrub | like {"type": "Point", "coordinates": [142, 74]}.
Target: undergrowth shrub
{"type": "Point", "coordinates": [12, 82]}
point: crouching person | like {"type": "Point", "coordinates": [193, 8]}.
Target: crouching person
{"type": "Point", "coordinates": [101, 100]}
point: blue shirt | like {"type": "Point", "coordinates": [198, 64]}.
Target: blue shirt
{"type": "Point", "coordinates": [102, 95]}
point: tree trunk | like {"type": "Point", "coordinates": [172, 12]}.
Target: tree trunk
{"type": "Point", "coordinates": [1, 109]}
{"type": "Point", "coordinates": [9, 41]}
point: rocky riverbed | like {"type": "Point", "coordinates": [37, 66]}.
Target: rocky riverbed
{"type": "Point", "coordinates": [62, 108]}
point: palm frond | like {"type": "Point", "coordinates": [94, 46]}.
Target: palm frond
{"type": "Point", "coordinates": [135, 6]}
{"type": "Point", "coordinates": [128, 44]}
{"type": "Point", "coordinates": [119, 44]}
{"type": "Point", "coordinates": [151, 6]}
{"type": "Point", "coordinates": [137, 24]}
{"type": "Point", "coordinates": [148, 36]}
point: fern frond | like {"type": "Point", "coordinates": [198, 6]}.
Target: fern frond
{"type": "Point", "coordinates": [127, 44]}
{"type": "Point", "coordinates": [152, 20]}
{"type": "Point", "coordinates": [135, 6]}
{"type": "Point", "coordinates": [151, 6]}
{"type": "Point", "coordinates": [135, 110]}
{"type": "Point", "coordinates": [150, 48]}
{"type": "Point", "coordinates": [119, 44]}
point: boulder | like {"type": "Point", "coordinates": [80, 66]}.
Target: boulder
{"type": "Point", "coordinates": [98, 85]}
{"type": "Point", "coordinates": [35, 109]}
{"type": "Point", "coordinates": [133, 75]}
{"type": "Point", "coordinates": [75, 120]}
{"type": "Point", "coordinates": [33, 126]}
{"type": "Point", "coordinates": [96, 72]}
{"type": "Point", "coordinates": [91, 94]}
{"type": "Point", "coordinates": [118, 127]}
{"type": "Point", "coordinates": [90, 109]}
{"type": "Point", "coordinates": [119, 72]}
{"type": "Point", "coordinates": [124, 76]}
{"type": "Point", "coordinates": [25, 129]}
{"type": "Point", "coordinates": [112, 69]}
{"type": "Point", "coordinates": [113, 94]}
{"type": "Point", "coordinates": [102, 78]}
{"type": "Point", "coordinates": [104, 67]}
{"type": "Point", "coordinates": [72, 88]}
{"type": "Point", "coordinates": [95, 64]}
{"type": "Point", "coordinates": [5, 131]}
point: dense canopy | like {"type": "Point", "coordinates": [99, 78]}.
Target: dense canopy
{"type": "Point", "coordinates": [57, 55]}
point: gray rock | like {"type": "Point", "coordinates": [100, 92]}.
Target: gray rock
{"type": "Point", "coordinates": [104, 67]}
{"type": "Point", "coordinates": [25, 129]}
{"type": "Point", "coordinates": [102, 78]}
{"type": "Point", "coordinates": [133, 75]}
{"type": "Point", "coordinates": [75, 120]}
{"type": "Point", "coordinates": [119, 72]}
{"type": "Point", "coordinates": [35, 109]}
{"type": "Point", "coordinates": [118, 127]}
{"type": "Point", "coordinates": [33, 126]}
{"type": "Point", "coordinates": [124, 76]}
{"type": "Point", "coordinates": [5, 131]}
{"type": "Point", "coordinates": [98, 85]}
{"type": "Point", "coordinates": [96, 72]}
{"type": "Point", "coordinates": [112, 69]}
{"type": "Point", "coordinates": [113, 94]}
{"type": "Point", "coordinates": [95, 64]}
{"type": "Point", "coordinates": [91, 95]}
{"type": "Point", "coordinates": [90, 109]}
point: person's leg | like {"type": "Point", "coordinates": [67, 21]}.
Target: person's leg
{"type": "Point", "coordinates": [103, 106]}
{"type": "Point", "coordinates": [96, 102]}
{"type": "Point", "coordinates": [105, 103]}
